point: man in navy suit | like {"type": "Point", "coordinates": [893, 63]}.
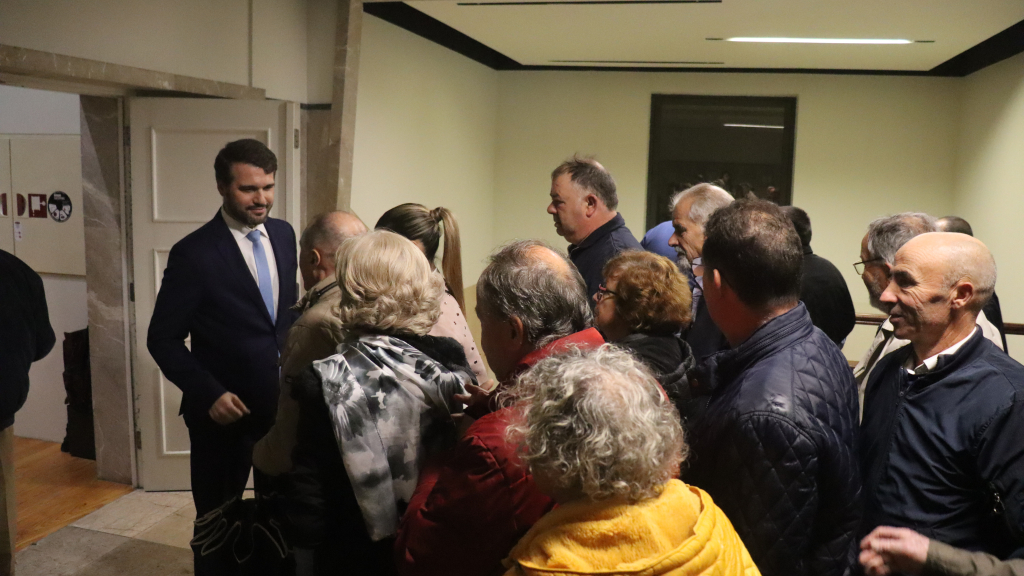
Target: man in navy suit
{"type": "Point", "coordinates": [230, 285]}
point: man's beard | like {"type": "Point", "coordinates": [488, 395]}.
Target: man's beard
{"type": "Point", "coordinates": [681, 260]}
{"type": "Point", "coordinates": [877, 303]}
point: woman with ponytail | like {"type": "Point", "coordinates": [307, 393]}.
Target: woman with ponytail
{"type": "Point", "coordinates": [425, 228]}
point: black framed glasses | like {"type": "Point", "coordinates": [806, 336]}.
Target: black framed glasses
{"type": "Point", "coordinates": [859, 266]}
{"type": "Point", "coordinates": [603, 292]}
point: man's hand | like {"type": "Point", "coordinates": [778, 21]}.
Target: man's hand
{"type": "Point", "coordinates": [887, 550]}
{"type": "Point", "coordinates": [477, 394]}
{"type": "Point", "coordinates": [227, 409]}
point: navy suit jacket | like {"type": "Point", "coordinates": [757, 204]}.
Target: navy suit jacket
{"type": "Point", "coordinates": [209, 292]}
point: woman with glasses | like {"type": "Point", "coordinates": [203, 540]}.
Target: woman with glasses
{"type": "Point", "coordinates": [643, 306]}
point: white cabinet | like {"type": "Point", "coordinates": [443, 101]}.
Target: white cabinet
{"type": "Point", "coordinates": [41, 216]}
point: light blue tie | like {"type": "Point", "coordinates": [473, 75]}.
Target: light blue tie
{"type": "Point", "coordinates": [262, 271]}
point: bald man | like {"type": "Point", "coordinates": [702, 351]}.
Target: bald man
{"type": "Point", "coordinates": [472, 506]}
{"type": "Point", "coordinates": [314, 335]}
{"type": "Point", "coordinates": [942, 441]}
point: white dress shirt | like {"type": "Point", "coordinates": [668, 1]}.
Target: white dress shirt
{"type": "Point", "coordinates": [239, 231]}
{"type": "Point", "coordinates": [931, 362]}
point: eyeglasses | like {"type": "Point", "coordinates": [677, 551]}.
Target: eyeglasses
{"type": "Point", "coordinates": [603, 292]}
{"type": "Point", "coordinates": [859, 266]}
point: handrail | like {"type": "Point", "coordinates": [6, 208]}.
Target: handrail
{"type": "Point", "coordinates": [877, 319]}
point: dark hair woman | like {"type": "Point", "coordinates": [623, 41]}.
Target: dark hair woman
{"type": "Point", "coordinates": [425, 228]}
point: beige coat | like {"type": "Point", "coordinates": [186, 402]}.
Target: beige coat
{"type": "Point", "coordinates": [314, 336]}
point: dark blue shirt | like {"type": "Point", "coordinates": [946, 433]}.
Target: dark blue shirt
{"type": "Point", "coordinates": [601, 246]}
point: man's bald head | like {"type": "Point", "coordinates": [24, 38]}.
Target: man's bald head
{"type": "Point", "coordinates": [321, 240]}
{"type": "Point", "coordinates": [960, 258]}
{"type": "Point", "coordinates": [533, 282]}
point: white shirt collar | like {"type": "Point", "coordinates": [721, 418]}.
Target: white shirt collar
{"type": "Point", "coordinates": [240, 228]}
{"type": "Point", "coordinates": [929, 363]}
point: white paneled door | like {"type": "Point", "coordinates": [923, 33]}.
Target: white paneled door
{"type": "Point", "coordinates": [173, 192]}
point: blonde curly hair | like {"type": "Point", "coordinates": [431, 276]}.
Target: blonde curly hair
{"type": "Point", "coordinates": [595, 424]}
{"type": "Point", "coordinates": [386, 285]}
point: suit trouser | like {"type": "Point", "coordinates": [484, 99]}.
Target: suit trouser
{"type": "Point", "coordinates": [8, 510]}
{"type": "Point", "coordinates": [220, 464]}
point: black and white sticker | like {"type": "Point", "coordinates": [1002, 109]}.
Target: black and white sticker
{"type": "Point", "coordinates": [59, 206]}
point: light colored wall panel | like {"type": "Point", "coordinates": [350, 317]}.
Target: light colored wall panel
{"type": "Point", "coordinates": [41, 166]}
{"type": "Point", "coordinates": [190, 37]}
{"type": "Point", "coordinates": [26, 111]}
{"type": "Point", "coordinates": [279, 48]}
{"type": "Point", "coordinates": [990, 176]}
{"type": "Point", "coordinates": [426, 124]}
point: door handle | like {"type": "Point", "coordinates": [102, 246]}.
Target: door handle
{"type": "Point", "coordinates": [21, 204]}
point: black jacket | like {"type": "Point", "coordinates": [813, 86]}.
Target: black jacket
{"type": "Point", "coordinates": [943, 452]}
{"type": "Point", "coordinates": [823, 290]}
{"type": "Point", "coordinates": [601, 246]}
{"type": "Point", "coordinates": [670, 361]}
{"type": "Point", "coordinates": [319, 508]}
{"type": "Point", "coordinates": [209, 293]}
{"type": "Point", "coordinates": [25, 332]}
{"type": "Point", "coordinates": [777, 448]}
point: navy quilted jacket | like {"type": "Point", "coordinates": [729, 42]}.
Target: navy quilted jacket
{"type": "Point", "coordinates": [777, 447]}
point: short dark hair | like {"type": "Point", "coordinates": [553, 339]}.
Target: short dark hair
{"type": "Point", "coordinates": [551, 302]}
{"type": "Point", "coordinates": [244, 151]}
{"type": "Point", "coordinates": [955, 224]}
{"type": "Point", "coordinates": [801, 221]}
{"type": "Point", "coordinates": [756, 250]}
{"type": "Point", "coordinates": [591, 176]}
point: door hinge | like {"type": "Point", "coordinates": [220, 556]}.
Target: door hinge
{"type": "Point", "coordinates": [138, 439]}
{"type": "Point", "coordinates": [131, 291]}
{"type": "Point", "coordinates": [296, 138]}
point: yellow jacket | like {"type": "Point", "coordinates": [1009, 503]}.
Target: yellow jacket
{"type": "Point", "coordinates": [679, 533]}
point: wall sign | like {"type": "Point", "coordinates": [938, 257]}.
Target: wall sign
{"type": "Point", "coordinates": [59, 206]}
{"type": "Point", "coordinates": [37, 205]}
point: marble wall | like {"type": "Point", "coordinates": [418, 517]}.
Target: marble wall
{"type": "Point", "coordinates": [106, 277]}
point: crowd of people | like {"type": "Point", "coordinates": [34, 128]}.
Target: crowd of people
{"type": "Point", "coordinates": [648, 414]}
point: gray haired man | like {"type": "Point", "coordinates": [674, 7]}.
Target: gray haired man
{"type": "Point", "coordinates": [691, 209]}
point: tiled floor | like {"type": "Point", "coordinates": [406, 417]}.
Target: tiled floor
{"type": "Point", "coordinates": [142, 534]}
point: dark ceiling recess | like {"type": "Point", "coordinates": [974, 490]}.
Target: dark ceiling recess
{"type": "Point", "coordinates": [1007, 43]}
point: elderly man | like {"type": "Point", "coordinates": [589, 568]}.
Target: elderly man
{"type": "Point", "coordinates": [992, 311]}
{"type": "Point", "coordinates": [473, 505]}
{"type": "Point", "coordinates": [776, 448]}
{"type": "Point", "coordinates": [885, 236]}
{"type": "Point", "coordinates": [314, 336]}
{"type": "Point", "coordinates": [941, 442]}
{"type": "Point", "coordinates": [583, 203]}
{"type": "Point", "coordinates": [691, 209]}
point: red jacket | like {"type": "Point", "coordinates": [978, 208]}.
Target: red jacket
{"type": "Point", "coordinates": [472, 505]}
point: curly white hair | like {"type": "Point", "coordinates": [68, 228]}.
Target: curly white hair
{"type": "Point", "coordinates": [596, 425]}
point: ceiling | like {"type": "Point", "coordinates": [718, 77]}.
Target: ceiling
{"type": "Point", "coordinates": [674, 34]}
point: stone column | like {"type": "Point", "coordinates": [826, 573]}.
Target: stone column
{"type": "Point", "coordinates": [106, 273]}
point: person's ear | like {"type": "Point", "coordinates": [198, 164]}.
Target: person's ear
{"type": "Point", "coordinates": [963, 293]}
{"type": "Point", "coordinates": [314, 257]}
{"type": "Point", "coordinates": [222, 188]}
{"type": "Point", "coordinates": [591, 201]}
{"type": "Point", "coordinates": [516, 331]}
{"type": "Point", "coordinates": [716, 281]}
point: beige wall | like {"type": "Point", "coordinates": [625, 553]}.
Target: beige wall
{"type": "Point", "coordinates": [196, 38]}
{"type": "Point", "coordinates": [865, 146]}
{"type": "Point", "coordinates": [426, 123]}
{"type": "Point", "coordinates": [990, 176]}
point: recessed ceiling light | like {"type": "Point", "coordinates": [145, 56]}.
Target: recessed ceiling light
{"type": "Point", "coordinates": [754, 126]}
{"type": "Point", "coordinates": [822, 40]}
